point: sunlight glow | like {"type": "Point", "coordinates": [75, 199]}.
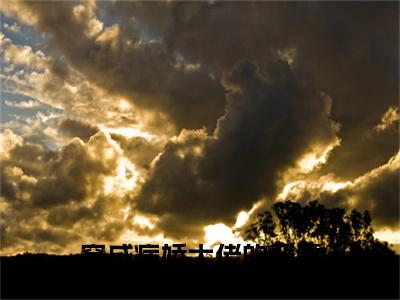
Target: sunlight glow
{"type": "Point", "coordinates": [290, 188]}
{"type": "Point", "coordinates": [143, 221]}
{"type": "Point", "coordinates": [125, 179]}
{"type": "Point", "coordinates": [128, 132]}
{"type": "Point", "coordinates": [124, 105]}
{"type": "Point", "coordinates": [220, 234]}
{"type": "Point", "coordinates": [198, 150]}
{"type": "Point", "coordinates": [126, 211]}
{"type": "Point", "coordinates": [310, 161]}
{"type": "Point", "coordinates": [317, 158]}
{"type": "Point", "coordinates": [131, 237]}
{"type": "Point", "coordinates": [392, 237]}
{"type": "Point", "coordinates": [241, 219]}
{"type": "Point", "coordinates": [70, 88]}
{"type": "Point", "coordinates": [296, 188]}
{"type": "Point", "coordinates": [217, 233]}
{"type": "Point", "coordinates": [333, 187]}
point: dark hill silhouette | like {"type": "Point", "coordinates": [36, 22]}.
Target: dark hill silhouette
{"type": "Point", "coordinates": [307, 252]}
{"type": "Point", "coordinates": [119, 276]}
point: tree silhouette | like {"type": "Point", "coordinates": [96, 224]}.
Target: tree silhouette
{"type": "Point", "coordinates": [263, 230]}
{"type": "Point", "coordinates": [315, 229]}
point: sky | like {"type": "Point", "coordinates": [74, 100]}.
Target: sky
{"type": "Point", "coordinates": [180, 121]}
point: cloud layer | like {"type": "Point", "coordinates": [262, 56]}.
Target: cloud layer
{"type": "Point", "coordinates": [157, 120]}
{"type": "Point", "coordinates": [204, 179]}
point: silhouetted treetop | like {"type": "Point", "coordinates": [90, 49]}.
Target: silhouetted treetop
{"type": "Point", "coordinates": [315, 229]}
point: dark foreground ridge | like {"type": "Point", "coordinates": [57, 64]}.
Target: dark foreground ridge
{"type": "Point", "coordinates": [119, 276]}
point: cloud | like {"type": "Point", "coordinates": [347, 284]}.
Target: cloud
{"type": "Point", "coordinates": [70, 174]}
{"type": "Point", "coordinates": [377, 191]}
{"type": "Point", "coordinates": [22, 55]}
{"type": "Point", "coordinates": [73, 176]}
{"type": "Point", "coordinates": [8, 141]}
{"type": "Point", "coordinates": [181, 33]}
{"type": "Point", "coordinates": [22, 104]}
{"type": "Point", "coordinates": [334, 44]}
{"type": "Point", "coordinates": [189, 98]}
{"type": "Point", "coordinates": [57, 88]}
{"type": "Point", "coordinates": [15, 9]}
{"type": "Point", "coordinates": [74, 128]}
{"type": "Point", "coordinates": [139, 150]}
{"type": "Point", "coordinates": [390, 117]}
{"type": "Point", "coordinates": [201, 179]}
{"type": "Point", "coordinates": [14, 28]}
{"type": "Point", "coordinates": [86, 13]}
{"type": "Point", "coordinates": [208, 107]}
{"type": "Point", "coordinates": [53, 200]}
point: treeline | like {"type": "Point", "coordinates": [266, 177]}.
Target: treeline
{"type": "Point", "coordinates": [314, 229]}
{"type": "Point", "coordinates": [121, 277]}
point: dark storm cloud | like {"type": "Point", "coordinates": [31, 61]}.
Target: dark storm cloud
{"type": "Point", "coordinates": [75, 128]}
{"type": "Point", "coordinates": [349, 50]}
{"type": "Point", "coordinates": [54, 177]}
{"type": "Point", "coordinates": [54, 236]}
{"type": "Point", "coordinates": [268, 123]}
{"type": "Point", "coordinates": [66, 216]}
{"type": "Point", "coordinates": [376, 191]}
{"type": "Point", "coordinates": [362, 150]}
{"type": "Point", "coordinates": [30, 158]}
{"type": "Point", "coordinates": [72, 176]}
{"type": "Point", "coordinates": [68, 175]}
{"type": "Point", "coordinates": [52, 198]}
{"type": "Point", "coordinates": [185, 60]}
{"type": "Point", "coordinates": [138, 150]}
{"type": "Point", "coordinates": [381, 196]}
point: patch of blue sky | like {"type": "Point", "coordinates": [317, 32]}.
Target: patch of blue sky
{"type": "Point", "coordinates": [13, 108]}
{"type": "Point", "coordinates": [27, 35]}
{"type": "Point", "coordinates": [31, 122]}
{"type": "Point", "coordinates": [36, 128]}
{"type": "Point", "coordinates": [14, 70]}
{"type": "Point", "coordinates": [103, 13]}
